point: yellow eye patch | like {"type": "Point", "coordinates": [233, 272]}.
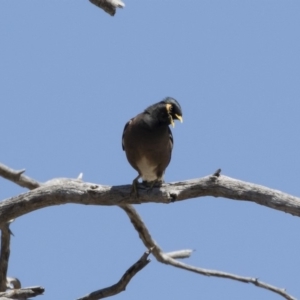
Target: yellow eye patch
{"type": "Point", "coordinates": [169, 107]}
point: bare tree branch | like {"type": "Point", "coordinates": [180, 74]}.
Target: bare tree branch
{"type": "Point", "coordinates": [4, 256]}
{"type": "Point", "coordinates": [18, 177]}
{"type": "Point", "coordinates": [108, 6]}
{"type": "Point", "coordinates": [185, 253]}
{"type": "Point", "coordinates": [23, 293]}
{"type": "Point", "coordinates": [91, 194]}
{"type": "Point", "coordinates": [120, 286]}
{"type": "Point", "coordinates": [63, 191]}
{"type": "Point", "coordinates": [175, 263]}
{"type": "Point", "coordinates": [167, 259]}
{"type": "Point", "coordinates": [140, 227]}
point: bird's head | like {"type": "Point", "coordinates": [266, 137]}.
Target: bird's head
{"type": "Point", "coordinates": [166, 111]}
{"type": "Point", "coordinates": [173, 110]}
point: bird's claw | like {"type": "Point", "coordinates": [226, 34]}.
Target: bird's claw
{"type": "Point", "coordinates": [134, 189]}
{"type": "Point", "coordinates": [152, 184]}
{"type": "Point", "coordinates": [149, 186]}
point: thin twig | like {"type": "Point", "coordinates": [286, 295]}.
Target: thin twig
{"type": "Point", "coordinates": [185, 253]}
{"type": "Point", "coordinates": [162, 257]}
{"type": "Point", "coordinates": [120, 286]}
{"type": "Point", "coordinates": [175, 263]}
{"type": "Point", "coordinates": [142, 230]}
{"type": "Point", "coordinates": [18, 177]}
{"type": "Point", "coordinates": [146, 237]}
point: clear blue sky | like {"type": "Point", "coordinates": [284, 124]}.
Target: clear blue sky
{"type": "Point", "coordinates": [71, 76]}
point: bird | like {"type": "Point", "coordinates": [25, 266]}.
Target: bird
{"type": "Point", "coordinates": [148, 142]}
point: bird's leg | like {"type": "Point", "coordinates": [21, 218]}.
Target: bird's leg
{"type": "Point", "coordinates": [153, 183]}
{"type": "Point", "coordinates": [134, 189]}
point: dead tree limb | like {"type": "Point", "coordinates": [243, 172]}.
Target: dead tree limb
{"type": "Point", "coordinates": [92, 194]}
{"type": "Point", "coordinates": [4, 256]}
{"type": "Point", "coordinates": [166, 258]}
{"type": "Point", "coordinates": [18, 177]}
{"type": "Point", "coordinates": [23, 293]}
{"type": "Point", "coordinates": [120, 286]}
{"type": "Point", "coordinates": [109, 6]}
{"type": "Point", "coordinates": [63, 191]}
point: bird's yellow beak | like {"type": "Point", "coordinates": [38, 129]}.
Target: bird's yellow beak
{"type": "Point", "coordinates": [179, 118]}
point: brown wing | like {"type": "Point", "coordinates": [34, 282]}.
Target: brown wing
{"type": "Point", "coordinates": [125, 127]}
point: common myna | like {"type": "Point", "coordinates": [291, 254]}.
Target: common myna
{"type": "Point", "coordinates": [148, 141]}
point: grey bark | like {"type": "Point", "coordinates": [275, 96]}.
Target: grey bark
{"type": "Point", "coordinates": [23, 293]}
{"type": "Point", "coordinates": [72, 191]}
{"type": "Point", "coordinates": [108, 6]}
{"type": "Point", "coordinates": [63, 191]}
{"type": "Point", "coordinates": [4, 256]}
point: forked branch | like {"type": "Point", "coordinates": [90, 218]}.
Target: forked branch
{"type": "Point", "coordinates": [63, 191]}
{"type": "Point", "coordinates": [166, 258]}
